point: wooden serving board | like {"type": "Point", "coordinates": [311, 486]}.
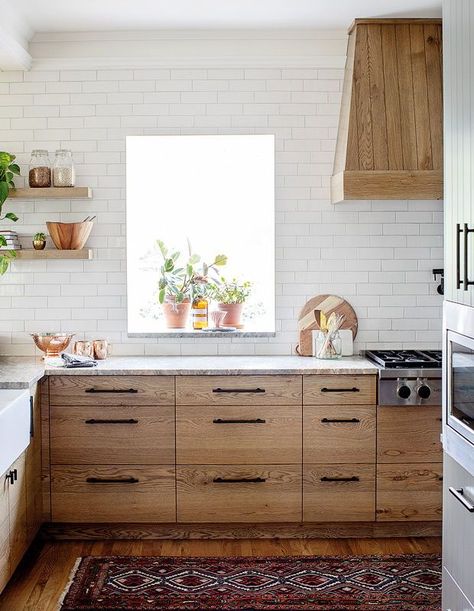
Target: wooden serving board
{"type": "Point", "coordinates": [309, 319]}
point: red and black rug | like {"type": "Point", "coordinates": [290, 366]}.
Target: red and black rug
{"type": "Point", "coordinates": [363, 583]}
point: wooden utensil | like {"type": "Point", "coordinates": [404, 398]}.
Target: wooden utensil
{"type": "Point", "coordinates": [314, 314]}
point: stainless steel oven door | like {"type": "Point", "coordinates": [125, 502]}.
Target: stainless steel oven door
{"type": "Point", "coordinates": [460, 383]}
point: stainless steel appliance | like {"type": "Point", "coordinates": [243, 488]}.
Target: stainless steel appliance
{"type": "Point", "coordinates": [459, 373]}
{"type": "Point", "coordinates": [408, 377]}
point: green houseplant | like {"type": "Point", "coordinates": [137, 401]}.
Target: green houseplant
{"type": "Point", "coordinates": [8, 170]}
{"type": "Point", "coordinates": [180, 282]}
{"type": "Point", "coordinates": [39, 241]}
{"type": "Point", "coordinates": [230, 296]}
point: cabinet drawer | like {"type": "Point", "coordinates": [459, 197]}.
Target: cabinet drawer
{"type": "Point", "coordinates": [409, 492]}
{"type": "Point", "coordinates": [333, 434]}
{"type": "Point", "coordinates": [239, 493]}
{"type": "Point", "coordinates": [115, 435]}
{"type": "Point", "coordinates": [409, 434]}
{"type": "Point", "coordinates": [111, 390]}
{"type": "Point", "coordinates": [4, 533]}
{"type": "Point", "coordinates": [238, 435]}
{"type": "Point", "coordinates": [238, 390]}
{"type": "Point", "coordinates": [131, 494]}
{"type": "Point", "coordinates": [339, 390]}
{"type": "Point", "coordinates": [339, 493]}
{"type": "Point", "coordinates": [458, 525]}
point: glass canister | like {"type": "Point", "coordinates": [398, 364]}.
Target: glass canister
{"type": "Point", "coordinates": [64, 174]}
{"type": "Point", "coordinates": [327, 345]}
{"type": "Point", "coordinates": [40, 169]}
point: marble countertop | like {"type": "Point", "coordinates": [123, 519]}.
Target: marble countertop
{"type": "Point", "coordinates": [21, 372]}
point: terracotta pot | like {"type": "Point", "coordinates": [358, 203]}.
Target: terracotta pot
{"type": "Point", "coordinates": [176, 314]}
{"type": "Point", "coordinates": [234, 312]}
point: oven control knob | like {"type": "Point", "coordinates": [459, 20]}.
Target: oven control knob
{"type": "Point", "coordinates": [424, 391]}
{"type": "Point", "coordinates": [404, 391]}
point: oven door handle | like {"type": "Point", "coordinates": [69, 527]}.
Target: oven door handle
{"type": "Point", "coordinates": [458, 494]}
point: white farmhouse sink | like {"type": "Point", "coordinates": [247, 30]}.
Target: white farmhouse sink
{"type": "Point", "coordinates": [14, 425]}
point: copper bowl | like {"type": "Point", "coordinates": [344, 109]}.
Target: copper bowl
{"type": "Point", "coordinates": [69, 236]}
{"type": "Point", "coordinates": [52, 344]}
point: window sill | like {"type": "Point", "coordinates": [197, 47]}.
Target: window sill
{"type": "Point", "coordinates": [205, 334]}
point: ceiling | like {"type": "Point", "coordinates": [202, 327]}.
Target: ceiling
{"type": "Point", "coordinates": [80, 15]}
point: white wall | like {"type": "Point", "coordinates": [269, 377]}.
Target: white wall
{"type": "Point", "coordinates": [378, 255]}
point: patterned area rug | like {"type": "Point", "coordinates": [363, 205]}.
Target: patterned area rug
{"type": "Point", "coordinates": [375, 583]}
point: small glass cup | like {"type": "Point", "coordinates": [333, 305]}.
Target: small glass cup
{"type": "Point", "coordinates": [327, 345]}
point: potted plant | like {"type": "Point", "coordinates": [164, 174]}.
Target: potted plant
{"type": "Point", "coordinates": [230, 296]}
{"type": "Point", "coordinates": [179, 283]}
{"type": "Point", "coordinates": [8, 169]}
{"type": "Point", "coordinates": [39, 241]}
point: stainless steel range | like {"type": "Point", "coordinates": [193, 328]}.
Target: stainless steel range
{"type": "Point", "coordinates": [408, 377]}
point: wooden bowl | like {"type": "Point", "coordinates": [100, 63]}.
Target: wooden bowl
{"type": "Point", "coordinates": [69, 236]}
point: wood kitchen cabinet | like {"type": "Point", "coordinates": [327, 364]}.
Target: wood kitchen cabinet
{"type": "Point", "coordinates": [292, 450]}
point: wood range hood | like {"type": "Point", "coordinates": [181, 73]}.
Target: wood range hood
{"type": "Point", "coordinates": [390, 138]}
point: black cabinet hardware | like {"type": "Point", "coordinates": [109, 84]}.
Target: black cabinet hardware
{"type": "Point", "coordinates": [32, 417]}
{"type": "Point", "coordinates": [241, 390]}
{"type": "Point", "coordinates": [458, 494]}
{"type": "Point", "coordinates": [342, 420]}
{"type": "Point", "coordinates": [112, 421]}
{"type": "Point", "coordinates": [238, 421]}
{"type": "Point", "coordinates": [465, 231]}
{"type": "Point", "coordinates": [439, 271]}
{"type": "Point", "coordinates": [239, 480]}
{"type": "Point", "coordinates": [12, 476]}
{"type": "Point", "coordinates": [353, 389]}
{"type": "Point", "coordinates": [112, 480]}
{"type": "Point", "coordinates": [354, 478]}
{"type": "Point", "coordinates": [458, 255]}
{"type": "Point", "coordinates": [112, 390]}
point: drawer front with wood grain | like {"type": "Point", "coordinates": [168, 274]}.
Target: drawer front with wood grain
{"type": "Point", "coordinates": [409, 434]}
{"type": "Point", "coordinates": [238, 390]}
{"type": "Point", "coordinates": [111, 390]}
{"type": "Point", "coordinates": [333, 434]}
{"type": "Point", "coordinates": [339, 390]}
{"type": "Point", "coordinates": [239, 494]}
{"type": "Point", "coordinates": [104, 493]}
{"type": "Point", "coordinates": [338, 493]}
{"type": "Point", "coordinates": [112, 435]}
{"type": "Point", "coordinates": [4, 533]}
{"type": "Point", "coordinates": [238, 435]}
{"type": "Point", "coordinates": [409, 492]}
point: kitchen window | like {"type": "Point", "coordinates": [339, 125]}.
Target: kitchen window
{"type": "Point", "coordinates": [208, 202]}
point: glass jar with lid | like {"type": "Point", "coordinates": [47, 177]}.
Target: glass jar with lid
{"type": "Point", "coordinates": [64, 174]}
{"type": "Point", "coordinates": [40, 169]}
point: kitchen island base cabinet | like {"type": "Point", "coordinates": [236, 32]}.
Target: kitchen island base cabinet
{"type": "Point", "coordinates": [339, 493]}
{"type": "Point", "coordinates": [453, 597]}
{"type": "Point", "coordinates": [408, 492]}
{"type": "Point", "coordinates": [238, 493]}
{"type": "Point", "coordinates": [113, 494]}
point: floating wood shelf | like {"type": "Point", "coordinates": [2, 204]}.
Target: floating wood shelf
{"type": "Point", "coordinates": [50, 253]}
{"type": "Point", "coordinates": [52, 193]}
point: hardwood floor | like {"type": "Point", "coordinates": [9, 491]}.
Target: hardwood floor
{"type": "Point", "coordinates": [43, 574]}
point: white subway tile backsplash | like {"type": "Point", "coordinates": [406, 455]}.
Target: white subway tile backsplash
{"type": "Point", "coordinates": [378, 255]}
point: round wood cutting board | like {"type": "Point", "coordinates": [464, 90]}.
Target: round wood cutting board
{"type": "Point", "coordinates": [329, 304]}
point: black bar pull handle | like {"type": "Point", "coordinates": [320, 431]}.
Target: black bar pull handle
{"type": "Point", "coordinates": [458, 256]}
{"type": "Point", "coordinates": [112, 421]}
{"type": "Point", "coordinates": [353, 389]}
{"type": "Point", "coordinates": [112, 390]}
{"type": "Point", "coordinates": [466, 257]}
{"type": "Point", "coordinates": [239, 480]}
{"type": "Point", "coordinates": [238, 421]}
{"type": "Point", "coordinates": [32, 417]}
{"type": "Point", "coordinates": [12, 476]}
{"type": "Point", "coordinates": [341, 420]}
{"type": "Point", "coordinates": [239, 390]}
{"type": "Point", "coordinates": [458, 494]}
{"type": "Point", "coordinates": [354, 478]}
{"type": "Point", "coordinates": [112, 480]}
